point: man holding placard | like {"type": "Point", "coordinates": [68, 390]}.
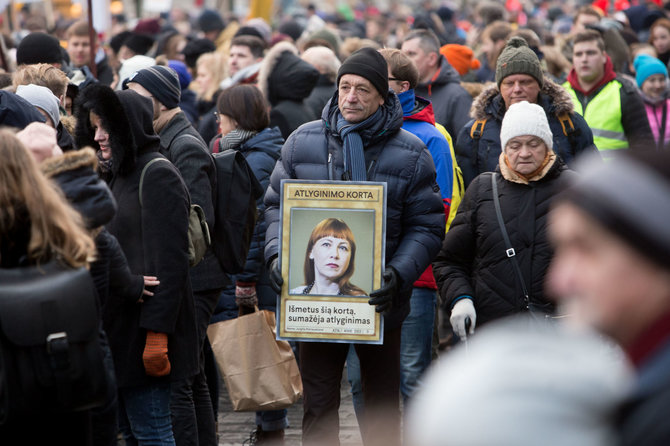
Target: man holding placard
{"type": "Point", "coordinates": [359, 138]}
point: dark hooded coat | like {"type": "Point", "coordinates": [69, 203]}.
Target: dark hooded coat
{"type": "Point", "coordinates": [286, 81]}
{"type": "Point", "coordinates": [153, 236]}
{"type": "Point", "coordinates": [476, 156]}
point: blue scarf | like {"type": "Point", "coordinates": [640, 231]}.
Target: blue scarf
{"type": "Point", "coordinates": [354, 157]}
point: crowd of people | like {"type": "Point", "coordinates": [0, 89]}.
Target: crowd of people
{"type": "Point", "coordinates": [524, 147]}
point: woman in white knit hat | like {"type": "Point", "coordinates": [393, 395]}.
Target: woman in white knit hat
{"type": "Point", "coordinates": [480, 275]}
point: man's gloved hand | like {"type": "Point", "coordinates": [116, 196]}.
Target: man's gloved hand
{"type": "Point", "coordinates": [463, 309]}
{"type": "Point", "coordinates": [155, 355]}
{"type": "Point", "coordinates": [383, 297]}
{"type": "Point", "coordinates": [276, 280]}
{"type": "Point", "coordinates": [245, 297]}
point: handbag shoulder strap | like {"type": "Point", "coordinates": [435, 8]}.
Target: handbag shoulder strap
{"type": "Point", "coordinates": [144, 171]}
{"type": "Point", "coordinates": [509, 250]}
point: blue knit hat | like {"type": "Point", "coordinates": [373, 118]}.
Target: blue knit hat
{"type": "Point", "coordinates": [646, 66]}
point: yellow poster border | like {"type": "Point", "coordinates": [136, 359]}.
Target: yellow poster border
{"type": "Point", "coordinates": [331, 195]}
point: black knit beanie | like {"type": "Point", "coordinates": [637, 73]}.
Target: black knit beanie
{"type": "Point", "coordinates": [368, 63]}
{"type": "Point", "coordinates": [38, 48]}
{"type": "Point", "coordinates": [139, 43]}
{"type": "Point", "coordinates": [162, 82]}
{"type": "Point", "coordinates": [518, 58]}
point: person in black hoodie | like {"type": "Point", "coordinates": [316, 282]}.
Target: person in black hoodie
{"type": "Point", "coordinates": [286, 80]}
{"type": "Point", "coordinates": [159, 333]}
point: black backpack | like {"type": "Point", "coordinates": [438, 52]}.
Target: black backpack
{"type": "Point", "coordinates": [51, 360]}
{"type": "Point", "coordinates": [237, 190]}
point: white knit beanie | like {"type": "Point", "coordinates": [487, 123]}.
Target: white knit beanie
{"type": "Point", "coordinates": [524, 118]}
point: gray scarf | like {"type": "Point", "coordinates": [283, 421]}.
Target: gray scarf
{"type": "Point", "coordinates": [236, 138]}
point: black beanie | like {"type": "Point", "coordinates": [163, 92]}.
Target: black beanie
{"type": "Point", "coordinates": [139, 43]}
{"type": "Point", "coordinates": [162, 82]}
{"type": "Point", "coordinates": [195, 49]}
{"type": "Point", "coordinates": [368, 63]}
{"type": "Point", "coordinates": [210, 20]}
{"type": "Point", "coordinates": [117, 41]}
{"type": "Point", "coordinates": [38, 48]}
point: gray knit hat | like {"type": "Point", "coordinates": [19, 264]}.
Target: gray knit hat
{"type": "Point", "coordinates": [518, 58]}
{"type": "Point", "coordinates": [43, 98]}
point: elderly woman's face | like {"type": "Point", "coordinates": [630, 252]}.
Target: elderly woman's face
{"type": "Point", "coordinates": [331, 256]}
{"type": "Point", "coordinates": [525, 154]}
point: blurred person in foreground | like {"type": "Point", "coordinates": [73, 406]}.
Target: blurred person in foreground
{"type": "Point", "coordinates": [612, 272]}
{"type": "Point", "coordinates": [522, 382]}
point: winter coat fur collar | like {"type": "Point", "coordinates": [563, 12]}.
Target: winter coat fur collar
{"type": "Point", "coordinates": [553, 98]}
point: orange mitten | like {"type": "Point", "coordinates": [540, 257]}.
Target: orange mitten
{"type": "Point", "coordinates": [155, 356]}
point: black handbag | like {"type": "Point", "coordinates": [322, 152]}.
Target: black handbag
{"type": "Point", "coordinates": [51, 359]}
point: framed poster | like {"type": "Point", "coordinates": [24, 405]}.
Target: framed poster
{"type": "Point", "coordinates": [332, 256]}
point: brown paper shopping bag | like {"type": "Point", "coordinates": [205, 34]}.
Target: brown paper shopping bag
{"type": "Point", "coordinates": [260, 372]}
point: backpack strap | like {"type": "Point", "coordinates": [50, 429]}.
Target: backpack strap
{"type": "Point", "coordinates": [568, 130]}
{"type": "Point", "coordinates": [477, 129]}
{"type": "Point", "coordinates": [144, 171]}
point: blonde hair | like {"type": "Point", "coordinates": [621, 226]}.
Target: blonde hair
{"type": "Point", "coordinates": [42, 74]}
{"type": "Point", "coordinates": [27, 197]}
{"type": "Point", "coordinates": [216, 64]}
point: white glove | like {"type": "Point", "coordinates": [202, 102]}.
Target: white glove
{"type": "Point", "coordinates": [463, 309]}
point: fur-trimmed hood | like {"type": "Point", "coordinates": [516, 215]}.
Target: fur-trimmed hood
{"type": "Point", "coordinates": [553, 98]}
{"type": "Point", "coordinates": [127, 117]}
{"type": "Point", "coordinates": [71, 160]}
{"type": "Point", "coordinates": [74, 172]}
{"type": "Point", "coordinates": [284, 75]}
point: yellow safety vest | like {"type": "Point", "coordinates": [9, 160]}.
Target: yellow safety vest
{"type": "Point", "coordinates": [603, 115]}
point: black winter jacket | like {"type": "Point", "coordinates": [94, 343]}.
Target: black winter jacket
{"type": "Point", "coordinates": [320, 95]}
{"type": "Point", "coordinates": [473, 262]}
{"type": "Point", "coordinates": [89, 195]}
{"type": "Point", "coordinates": [451, 103]}
{"type": "Point", "coordinates": [476, 156]}
{"type": "Point", "coordinates": [153, 236]}
{"type": "Point", "coordinates": [261, 152]}
{"type": "Point", "coordinates": [414, 216]}
{"type": "Point", "coordinates": [183, 146]}
{"type": "Point", "coordinates": [286, 81]}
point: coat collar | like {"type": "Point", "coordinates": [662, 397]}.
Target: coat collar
{"type": "Point", "coordinates": [553, 98]}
